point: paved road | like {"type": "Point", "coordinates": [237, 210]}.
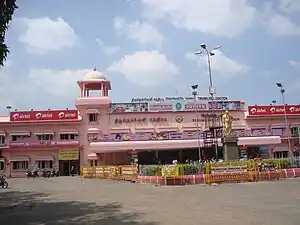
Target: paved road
{"type": "Point", "coordinates": [72, 200]}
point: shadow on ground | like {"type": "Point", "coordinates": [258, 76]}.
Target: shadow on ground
{"type": "Point", "coordinates": [26, 208]}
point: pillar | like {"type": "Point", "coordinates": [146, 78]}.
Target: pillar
{"type": "Point", "coordinates": [230, 148]}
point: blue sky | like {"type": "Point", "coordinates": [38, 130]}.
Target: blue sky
{"type": "Point", "coordinates": [146, 48]}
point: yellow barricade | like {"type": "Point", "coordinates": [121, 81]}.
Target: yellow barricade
{"type": "Point", "coordinates": [228, 177]}
{"type": "Point", "coordinates": [87, 172]}
{"type": "Point", "coordinates": [170, 170]}
{"type": "Point", "coordinates": [129, 172]}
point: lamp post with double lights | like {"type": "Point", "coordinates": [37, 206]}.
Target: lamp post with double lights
{"type": "Point", "coordinates": [195, 94]}
{"type": "Point", "coordinates": [211, 88]}
{"type": "Point", "coordinates": [282, 91]}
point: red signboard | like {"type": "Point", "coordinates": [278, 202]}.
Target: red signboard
{"type": "Point", "coordinates": [46, 115]}
{"type": "Point", "coordinates": [270, 110]}
{"type": "Point", "coordinates": [33, 143]}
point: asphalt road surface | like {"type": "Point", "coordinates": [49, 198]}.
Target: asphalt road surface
{"type": "Point", "coordinates": [72, 200]}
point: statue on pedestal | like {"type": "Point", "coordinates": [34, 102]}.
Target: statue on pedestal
{"type": "Point", "coordinates": [227, 120]}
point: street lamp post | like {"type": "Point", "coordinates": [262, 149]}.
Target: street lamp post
{"type": "Point", "coordinates": [282, 91]}
{"type": "Point", "coordinates": [195, 94]}
{"type": "Point", "coordinates": [211, 88]}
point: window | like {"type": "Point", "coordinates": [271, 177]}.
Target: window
{"type": "Point", "coordinates": [294, 132]}
{"type": "Point", "coordinates": [44, 137]}
{"type": "Point", "coordinates": [2, 139]}
{"type": "Point", "coordinates": [20, 165]}
{"type": "Point", "coordinates": [279, 155]}
{"type": "Point", "coordinates": [67, 136]}
{"type": "Point", "coordinates": [45, 164]}
{"type": "Point", "coordinates": [19, 137]}
{"type": "Point", "coordinates": [93, 117]}
{"type": "Point", "coordinates": [1, 165]}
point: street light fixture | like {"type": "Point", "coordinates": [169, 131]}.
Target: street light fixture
{"type": "Point", "coordinates": [282, 91]}
{"type": "Point", "coordinates": [195, 94]}
{"type": "Point", "coordinates": [211, 89]}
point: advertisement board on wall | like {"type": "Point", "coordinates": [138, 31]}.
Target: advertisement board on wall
{"type": "Point", "coordinates": [227, 105]}
{"type": "Point", "coordinates": [169, 106]}
{"type": "Point", "coordinates": [129, 107]}
{"type": "Point", "coordinates": [270, 110]}
{"type": "Point", "coordinates": [46, 115]}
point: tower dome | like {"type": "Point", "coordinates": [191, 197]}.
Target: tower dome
{"type": "Point", "coordinates": [95, 75]}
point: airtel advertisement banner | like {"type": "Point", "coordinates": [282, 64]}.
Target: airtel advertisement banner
{"type": "Point", "coordinates": [270, 110]}
{"type": "Point", "coordinates": [47, 115]}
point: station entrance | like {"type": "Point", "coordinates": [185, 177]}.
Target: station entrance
{"type": "Point", "coordinates": [68, 162]}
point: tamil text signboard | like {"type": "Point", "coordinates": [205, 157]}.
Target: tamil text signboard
{"type": "Point", "coordinates": [46, 115]}
{"type": "Point", "coordinates": [273, 110]}
{"type": "Point", "coordinates": [177, 98]}
{"type": "Point", "coordinates": [68, 154]}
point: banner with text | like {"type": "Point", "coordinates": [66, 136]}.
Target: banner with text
{"type": "Point", "coordinates": [46, 115]}
{"type": "Point", "coordinates": [68, 154]}
{"type": "Point", "coordinates": [273, 110]}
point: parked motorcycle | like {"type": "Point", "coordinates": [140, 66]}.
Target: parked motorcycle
{"type": "Point", "coordinates": [3, 182]}
{"type": "Point", "coordinates": [54, 173]}
{"type": "Point", "coordinates": [32, 174]}
{"type": "Point", "coordinates": [46, 174]}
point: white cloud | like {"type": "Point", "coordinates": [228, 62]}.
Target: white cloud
{"type": "Point", "coordinates": [293, 63]}
{"type": "Point", "coordinates": [221, 65]}
{"type": "Point", "coordinates": [278, 24]}
{"type": "Point", "coordinates": [33, 88]}
{"type": "Point", "coordinates": [146, 68]}
{"type": "Point", "coordinates": [289, 5]}
{"type": "Point", "coordinates": [59, 83]}
{"type": "Point", "coordinates": [142, 32]}
{"type": "Point", "coordinates": [106, 49]}
{"type": "Point", "coordinates": [219, 17]}
{"type": "Point", "coordinates": [43, 35]}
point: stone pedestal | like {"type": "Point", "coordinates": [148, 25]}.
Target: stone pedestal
{"type": "Point", "coordinates": [230, 148]}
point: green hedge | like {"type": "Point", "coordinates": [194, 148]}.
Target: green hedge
{"type": "Point", "coordinates": [150, 170]}
{"type": "Point", "coordinates": [184, 169]}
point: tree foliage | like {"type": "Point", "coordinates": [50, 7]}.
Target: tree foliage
{"type": "Point", "coordinates": [7, 9]}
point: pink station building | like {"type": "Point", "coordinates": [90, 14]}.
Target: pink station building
{"type": "Point", "coordinates": [146, 130]}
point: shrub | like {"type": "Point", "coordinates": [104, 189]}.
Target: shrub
{"type": "Point", "coordinates": [150, 170]}
{"type": "Point", "coordinates": [189, 169]}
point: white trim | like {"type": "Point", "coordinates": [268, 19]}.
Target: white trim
{"type": "Point", "coordinates": [101, 147]}
{"type": "Point", "coordinates": [93, 131]}
{"type": "Point", "coordinates": [92, 156]}
{"type": "Point", "coordinates": [20, 133]}
{"type": "Point", "coordinates": [68, 132]}
{"type": "Point", "coordinates": [44, 133]}
{"type": "Point", "coordinates": [265, 140]}
{"type": "Point", "coordinates": [44, 158]}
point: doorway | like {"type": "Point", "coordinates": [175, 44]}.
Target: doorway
{"type": "Point", "coordinates": [66, 165]}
